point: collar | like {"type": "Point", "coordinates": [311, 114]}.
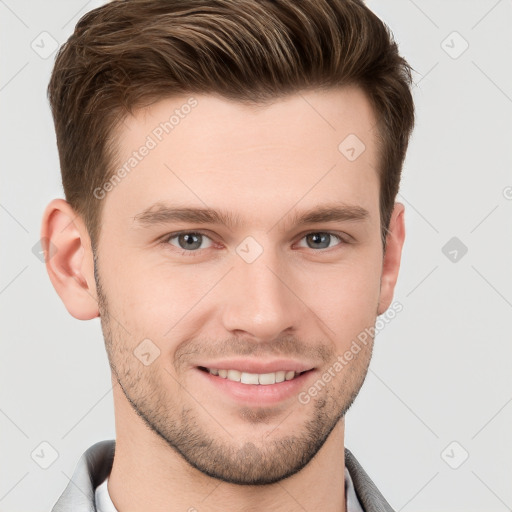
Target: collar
{"type": "Point", "coordinates": [95, 465]}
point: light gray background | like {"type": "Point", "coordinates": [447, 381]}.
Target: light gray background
{"type": "Point", "coordinates": [441, 369]}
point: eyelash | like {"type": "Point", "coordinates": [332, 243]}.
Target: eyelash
{"type": "Point", "coordinates": [198, 252]}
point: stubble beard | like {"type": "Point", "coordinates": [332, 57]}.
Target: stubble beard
{"type": "Point", "coordinates": [209, 446]}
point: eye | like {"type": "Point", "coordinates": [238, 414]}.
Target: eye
{"type": "Point", "coordinates": [190, 241]}
{"type": "Point", "coordinates": [321, 240]}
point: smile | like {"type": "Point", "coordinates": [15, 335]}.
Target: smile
{"type": "Point", "coordinates": [262, 379]}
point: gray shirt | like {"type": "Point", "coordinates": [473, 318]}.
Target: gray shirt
{"type": "Point", "coordinates": [95, 465]}
{"type": "Point", "coordinates": [104, 502]}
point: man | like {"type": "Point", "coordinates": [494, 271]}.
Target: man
{"type": "Point", "coordinates": [230, 171]}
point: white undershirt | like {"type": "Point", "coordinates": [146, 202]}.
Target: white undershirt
{"type": "Point", "coordinates": [104, 503]}
{"type": "Point", "coordinates": [102, 498]}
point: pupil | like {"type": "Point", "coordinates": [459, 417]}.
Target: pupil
{"type": "Point", "coordinates": [320, 238]}
{"type": "Point", "coordinates": [191, 241]}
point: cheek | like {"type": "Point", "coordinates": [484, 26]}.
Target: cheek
{"type": "Point", "coordinates": [131, 305]}
{"type": "Point", "coordinates": [347, 301]}
{"type": "Point", "coordinates": [149, 297]}
{"type": "Point", "coordinates": [154, 300]}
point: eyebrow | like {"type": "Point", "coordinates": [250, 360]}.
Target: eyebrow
{"type": "Point", "coordinates": [162, 213]}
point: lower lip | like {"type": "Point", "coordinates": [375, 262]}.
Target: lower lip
{"type": "Point", "coordinates": [257, 394]}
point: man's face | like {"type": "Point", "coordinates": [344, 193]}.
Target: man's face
{"type": "Point", "coordinates": [262, 297]}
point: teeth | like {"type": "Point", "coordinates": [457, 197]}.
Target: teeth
{"type": "Point", "coordinates": [249, 378]}
{"type": "Point", "coordinates": [267, 378]}
{"type": "Point", "coordinates": [234, 375]}
{"type": "Point", "coordinates": [263, 379]}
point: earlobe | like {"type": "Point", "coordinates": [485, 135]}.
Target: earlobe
{"type": "Point", "coordinates": [69, 259]}
{"type": "Point", "coordinates": [392, 256]}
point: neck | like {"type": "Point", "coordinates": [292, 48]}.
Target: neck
{"type": "Point", "coordinates": [148, 473]}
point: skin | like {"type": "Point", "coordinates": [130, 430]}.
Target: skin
{"type": "Point", "coordinates": [181, 443]}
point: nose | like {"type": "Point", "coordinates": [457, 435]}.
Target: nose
{"type": "Point", "coordinates": [259, 299]}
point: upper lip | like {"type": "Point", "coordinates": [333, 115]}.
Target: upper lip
{"type": "Point", "coordinates": [258, 366]}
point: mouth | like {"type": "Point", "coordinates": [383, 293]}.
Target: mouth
{"type": "Point", "coordinates": [255, 382]}
{"type": "Point", "coordinates": [259, 379]}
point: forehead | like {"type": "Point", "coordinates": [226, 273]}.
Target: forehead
{"type": "Point", "coordinates": [312, 146]}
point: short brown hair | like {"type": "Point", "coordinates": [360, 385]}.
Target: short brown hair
{"type": "Point", "coordinates": [128, 54]}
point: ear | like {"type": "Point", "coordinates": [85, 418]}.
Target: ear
{"type": "Point", "coordinates": [391, 262]}
{"type": "Point", "coordinates": [69, 259]}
